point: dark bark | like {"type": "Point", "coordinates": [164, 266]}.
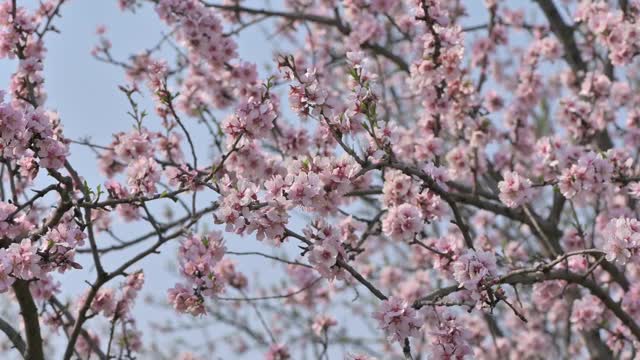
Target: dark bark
{"type": "Point", "coordinates": [29, 313]}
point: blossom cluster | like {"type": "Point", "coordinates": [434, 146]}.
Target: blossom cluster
{"type": "Point", "coordinates": [473, 182]}
{"type": "Point", "coordinates": [398, 320]}
{"type": "Point", "coordinates": [622, 240]}
{"type": "Point", "coordinates": [200, 257]}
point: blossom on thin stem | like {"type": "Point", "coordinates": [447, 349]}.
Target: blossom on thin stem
{"type": "Point", "coordinates": [398, 320]}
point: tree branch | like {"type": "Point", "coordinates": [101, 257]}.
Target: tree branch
{"type": "Point", "coordinates": [13, 335]}
{"type": "Point", "coordinates": [29, 312]}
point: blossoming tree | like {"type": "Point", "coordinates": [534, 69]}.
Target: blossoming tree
{"type": "Point", "coordinates": [451, 190]}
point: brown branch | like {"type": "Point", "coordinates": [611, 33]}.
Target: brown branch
{"type": "Point", "coordinates": [13, 335]}
{"type": "Point", "coordinates": [540, 274]}
{"type": "Point", "coordinates": [29, 312]}
{"type": "Point", "coordinates": [564, 33]}
{"type": "Point", "coordinates": [324, 20]}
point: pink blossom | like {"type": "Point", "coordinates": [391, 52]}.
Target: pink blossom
{"type": "Point", "coordinates": [515, 190]}
{"type": "Point", "coordinates": [622, 239]}
{"type": "Point", "coordinates": [26, 262]}
{"type": "Point", "coordinates": [143, 173]}
{"type": "Point", "coordinates": [586, 312]}
{"type": "Point", "coordinates": [104, 302]}
{"type": "Point", "coordinates": [359, 357]}
{"type": "Point", "coordinates": [450, 339]}
{"type": "Point", "coordinates": [45, 287]}
{"type": "Point", "coordinates": [253, 118]}
{"type": "Point", "coordinates": [324, 256]}
{"type": "Point", "coordinates": [6, 266]}
{"type": "Point", "coordinates": [203, 38]}
{"type": "Point", "coordinates": [402, 222]}
{"type": "Point", "coordinates": [52, 153]}
{"type": "Point", "coordinates": [127, 211]}
{"type": "Point", "coordinates": [400, 111]}
{"type": "Point", "coordinates": [278, 352]}
{"type": "Point", "coordinates": [546, 293]}
{"type": "Point", "coordinates": [6, 210]}
{"type": "Point", "coordinates": [304, 188]}
{"type": "Point", "coordinates": [634, 189]}
{"type": "Point", "coordinates": [473, 268]}
{"type": "Point", "coordinates": [182, 177]}
{"type": "Point", "coordinates": [439, 174]}
{"type": "Point", "coordinates": [83, 347]}
{"type": "Point", "coordinates": [398, 188]}
{"type": "Point", "coordinates": [185, 301]}
{"type": "Point", "coordinates": [199, 256]}
{"type": "Point", "coordinates": [322, 323]}
{"type": "Point", "coordinates": [493, 101]}
{"type": "Point", "coordinates": [398, 320]}
{"type": "Point", "coordinates": [133, 145]}
{"type": "Point", "coordinates": [631, 301]}
{"type": "Point", "coordinates": [227, 270]}
{"type": "Point", "coordinates": [126, 297]}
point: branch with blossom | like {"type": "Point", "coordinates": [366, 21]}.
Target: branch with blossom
{"type": "Point", "coordinates": [397, 184]}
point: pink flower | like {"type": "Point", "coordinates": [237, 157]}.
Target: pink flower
{"type": "Point", "coordinates": [586, 312]}
{"type": "Point", "coordinates": [143, 173]}
{"type": "Point", "coordinates": [402, 222]}
{"type": "Point", "coordinates": [6, 266]}
{"type": "Point", "coordinates": [592, 174]}
{"type": "Point", "coordinates": [182, 177]}
{"type": "Point", "coordinates": [127, 211]}
{"type": "Point", "coordinates": [431, 205]}
{"type": "Point", "coordinates": [133, 145]}
{"type": "Point", "coordinates": [634, 189]}
{"type": "Point", "coordinates": [304, 188]}
{"type": "Point", "coordinates": [572, 240]}
{"type": "Point", "coordinates": [200, 255]}
{"type": "Point", "coordinates": [622, 239]}
{"type": "Point", "coordinates": [322, 323]}
{"type": "Point", "coordinates": [44, 288]}
{"type": "Point", "coordinates": [324, 255]}
{"type": "Point", "coordinates": [253, 118]}
{"type": "Point", "coordinates": [6, 210]}
{"type": "Point", "coordinates": [203, 38]}
{"type": "Point", "coordinates": [309, 97]}
{"type": "Point", "coordinates": [104, 302]}
{"type": "Point", "coordinates": [359, 357]}
{"type": "Point", "coordinates": [130, 288]}
{"type": "Point", "coordinates": [546, 293]}
{"type": "Point", "coordinates": [83, 347]}
{"type": "Point", "coordinates": [52, 153]}
{"type": "Point", "coordinates": [515, 190]}
{"type": "Point", "coordinates": [398, 320]}
{"type": "Point", "coordinates": [439, 174]}
{"type": "Point", "coordinates": [227, 270]}
{"type": "Point", "coordinates": [473, 268]}
{"type": "Point", "coordinates": [26, 262]}
{"type": "Point", "coordinates": [29, 167]}
{"type": "Point", "coordinates": [493, 101]}
{"type": "Point", "coordinates": [413, 288]}
{"type": "Point", "coordinates": [550, 48]}
{"type": "Point", "coordinates": [631, 301]}
{"type": "Point", "coordinates": [450, 339]}
{"type": "Point", "coordinates": [278, 352]}
{"type": "Point", "coordinates": [66, 233]}
{"type": "Point", "coordinates": [398, 188]}
{"type": "Point", "coordinates": [185, 301]}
